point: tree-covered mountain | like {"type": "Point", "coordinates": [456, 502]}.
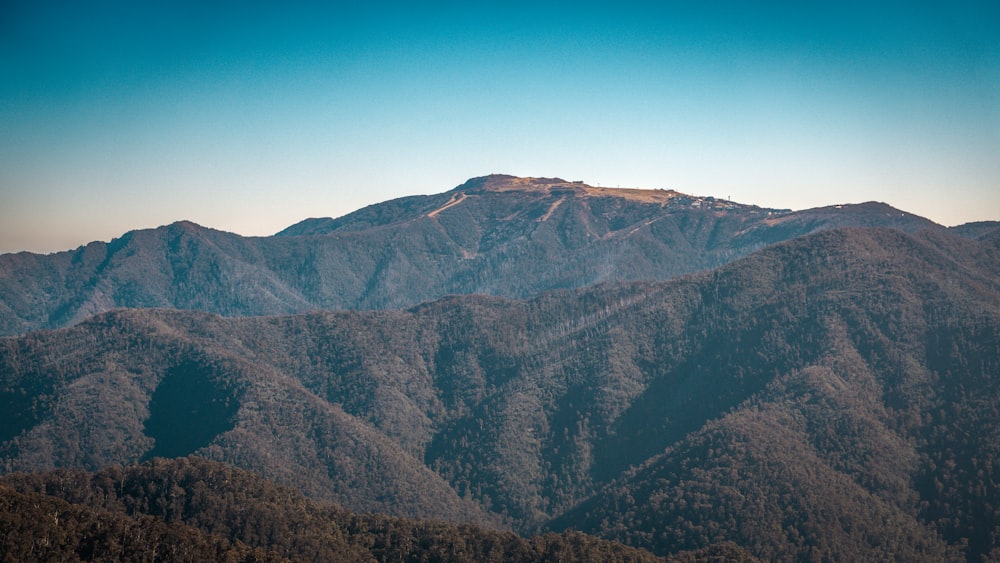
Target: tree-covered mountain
{"type": "Point", "coordinates": [496, 235]}
{"type": "Point", "coordinates": [833, 396]}
{"type": "Point", "coordinates": [190, 509]}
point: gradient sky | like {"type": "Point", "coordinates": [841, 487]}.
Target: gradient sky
{"type": "Point", "coordinates": [250, 116]}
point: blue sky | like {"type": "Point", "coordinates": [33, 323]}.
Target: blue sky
{"type": "Point", "coordinates": [249, 116]}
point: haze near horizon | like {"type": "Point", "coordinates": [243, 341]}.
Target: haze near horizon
{"type": "Point", "coordinates": [251, 117]}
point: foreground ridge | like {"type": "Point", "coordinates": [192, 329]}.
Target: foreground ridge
{"type": "Point", "coordinates": [196, 510]}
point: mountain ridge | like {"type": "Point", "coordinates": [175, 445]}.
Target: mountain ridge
{"type": "Point", "coordinates": [517, 238]}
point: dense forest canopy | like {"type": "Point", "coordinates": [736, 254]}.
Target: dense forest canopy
{"type": "Point", "coordinates": [192, 509]}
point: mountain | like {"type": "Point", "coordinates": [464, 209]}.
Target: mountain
{"type": "Point", "coordinates": [978, 229]}
{"type": "Point", "coordinates": [496, 235]}
{"type": "Point", "coordinates": [834, 397]}
{"type": "Point", "coordinates": [192, 509]}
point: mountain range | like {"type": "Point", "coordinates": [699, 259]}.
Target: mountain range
{"type": "Point", "coordinates": [495, 235]}
{"type": "Point", "coordinates": [669, 372]}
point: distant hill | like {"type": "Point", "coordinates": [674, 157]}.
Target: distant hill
{"type": "Point", "coordinates": [834, 396]}
{"type": "Point", "coordinates": [496, 235]}
{"type": "Point", "coordinates": [978, 230]}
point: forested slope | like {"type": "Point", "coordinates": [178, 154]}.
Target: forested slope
{"type": "Point", "coordinates": [832, 396]}
{"type": "Point", "coordinates": [190, 509]}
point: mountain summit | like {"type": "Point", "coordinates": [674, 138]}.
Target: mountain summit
{"type": "Point", "coordinates": [494, 195]}
{"type": "Point", "coordinates": [505, 183]}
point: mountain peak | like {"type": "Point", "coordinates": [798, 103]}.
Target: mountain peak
{"type": "Point", "coordinates": [185, 226]}
{"type": "Point", "coordinates": [507, 183]}
{"type": "Point", "coordinates": [558, 186]}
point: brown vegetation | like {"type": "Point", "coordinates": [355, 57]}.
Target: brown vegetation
{"type": "Point", "coordinates": [831, 397]}
{"type": "Point", "coordinates": [192, 509]}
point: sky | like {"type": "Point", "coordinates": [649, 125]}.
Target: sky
{"type": "Point", "coordinates": [250, 116]}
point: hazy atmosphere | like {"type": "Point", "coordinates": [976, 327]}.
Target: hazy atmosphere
{"type": "Point", "coordinates": [248, 117]}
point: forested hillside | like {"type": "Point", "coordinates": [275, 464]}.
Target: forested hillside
{"type": "Point", "coordinates": [190, 509]}
{"type": "Point", "coordinates": [496, 235]}
{"type": "Point", "coordinates": [835, 396]}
